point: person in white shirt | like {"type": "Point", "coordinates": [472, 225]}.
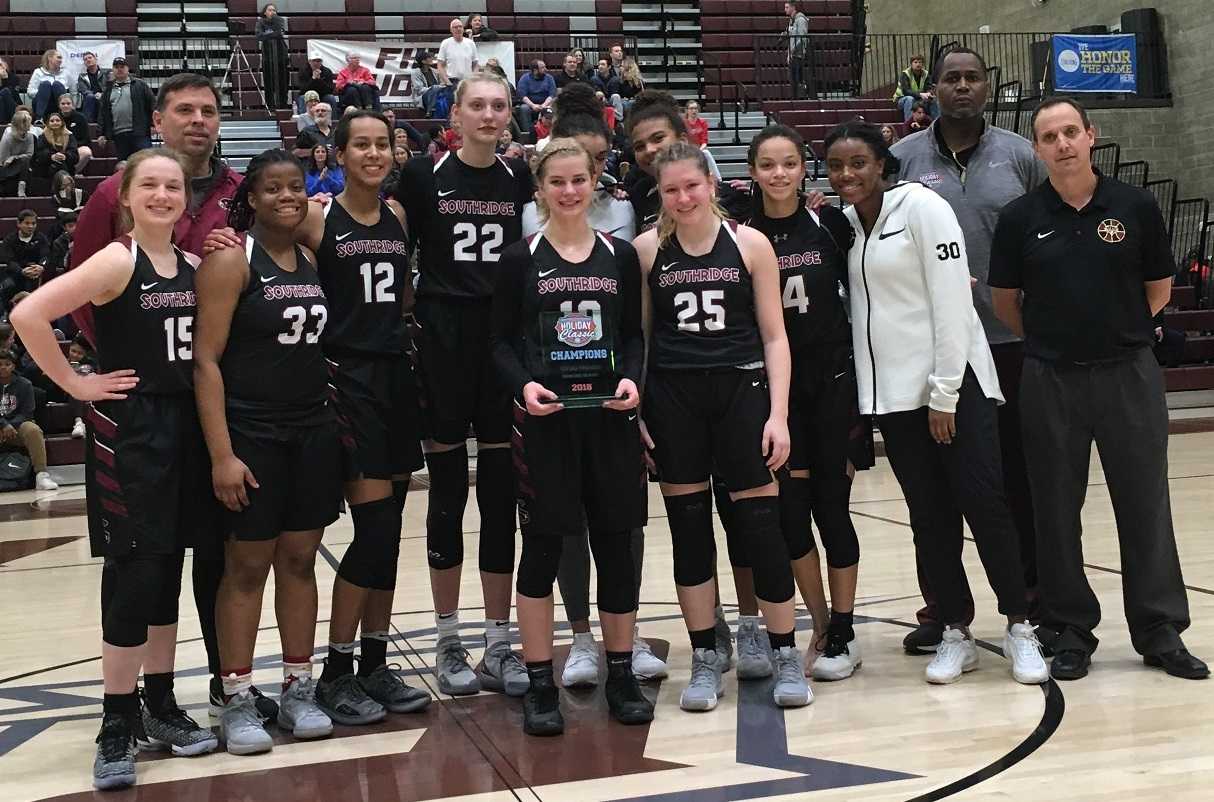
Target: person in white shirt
{"type": "Point", "coordinates": [457, 58]}
{"type": "Point", "coordinates": [924, 370]}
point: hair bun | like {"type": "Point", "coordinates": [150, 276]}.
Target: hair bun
{"type": "Point", "coordinates": [577, 98]}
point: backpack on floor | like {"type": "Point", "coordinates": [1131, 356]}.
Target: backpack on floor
{"type": "Point", "coordinates": [16, 472]}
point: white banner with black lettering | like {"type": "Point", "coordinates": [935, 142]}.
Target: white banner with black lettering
{"type": "Point", "coordinates": [391, 62]}
{"type": "Point", "coordinates": [73, 51]}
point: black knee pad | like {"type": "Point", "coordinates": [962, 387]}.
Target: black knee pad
{"type": "Point", "coordinates": [831, 497]}
{"type": "Point", "coordinates": [400, 491]}
{"type": "Point", "coordinates": [495, 498]}
{"type": "Point", "coordinates": [538, 566]}
{"type": "Point", "coordinates": [138, 592]}
{"type": "Point", "coordinates": [617, 591]}
{"type": "Point", "coordinates": [738, 555]}
{"type": "Point", "coordinates": [445, 515]}
{"type": "Point", "coordinates": [370, 560]}
{"type": "Point", "coordinates": [794, 516]}
{"type": "Point", "coordinates": [690, 520]}
{"type": "Point", "coordinates": [758, 522]}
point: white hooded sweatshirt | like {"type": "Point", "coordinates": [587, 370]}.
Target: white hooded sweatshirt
{"type": "Point", "coordinates": [914, 327]}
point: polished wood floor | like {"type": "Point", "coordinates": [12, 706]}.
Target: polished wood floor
{"type": "Point", "coordinates": [1124, 733]}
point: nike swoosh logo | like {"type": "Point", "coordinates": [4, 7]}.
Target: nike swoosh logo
{"type": "Point", "coordinates": [13, 465]}
{"type": "Point", "coordinates": [754, 384]}
{"type": "Point", "coordinates": [1043, 236]}
{"type": "Point", "coordinates": [614, 230]}
{"type": "Point", "coordinates": [630, 417]}
{"type": "Point", "coordinates": [265, 280]}
{"type": "Point", "coordinates": [341, 237]}
{"type": "Point", "coordinates": [668, 266]}
{"type": "Point", "coordinates": [838, 375]}
{"type": "Point", "coordinates": [547, 272]}
{"type": "Point", "coordinates": [148, 286]}
{"type": "Point", "coordinates": [443, 194]}
{"type": "Point", "coordinates": [892, 233]}
{"type": "Point", "coordinates": [998, 164]}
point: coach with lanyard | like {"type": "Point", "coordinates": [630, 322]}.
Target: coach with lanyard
{"type": "Point", "coordinates": [1079, 266]}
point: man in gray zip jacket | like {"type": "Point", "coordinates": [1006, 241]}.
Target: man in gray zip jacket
{"type": "Point", "coordinates": [978, 169]}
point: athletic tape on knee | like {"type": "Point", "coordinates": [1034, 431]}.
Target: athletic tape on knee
{"type": "Point", "coordinates": [495, 498]}
{"type": "Point", "coordinates": [690, 520]}
{"type": "Point", "coordinates": [830, 497]}
{"type": "Point", "coordinates": [538, 566]}
{"type": "Point", "coordinates": [738, 555]}
{"type": "Point", "coordinates": [445, 515]}
{"type": "Point", "coordinates": [132, 588]}
{"type": "Point", "coordinates": [370, 560]}
{"type": "Point", "coordinates": [795, 516]}
{"type": "Point", "coordinates": [758, 522]}
{"type": "Point", "coordinates": [616, 571]}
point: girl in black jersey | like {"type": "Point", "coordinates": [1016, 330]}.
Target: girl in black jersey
{"type": "Point", "coordinates": [145, 463]}
{"type": "Point", "coordinates": [568, 291]}
{"type": "Point", "coordinates": [262, 389]}
{"type": "Point", "coordinates": [465, 208]}
{"type": "Point", "coordinates": [716, 397]}
{"type": "Point", "coordinates": [811, 250]}
{"type": "Point", "coordinates": [361, 246]}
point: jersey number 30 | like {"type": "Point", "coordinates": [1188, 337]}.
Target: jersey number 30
{"type": "Point", "coordinates": [297, 316]}
{"type": "Point", "coordinates": [467, 237]}
{"type": "Point", "coordinates": [689, 304]}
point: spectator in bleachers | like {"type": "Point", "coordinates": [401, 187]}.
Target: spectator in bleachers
{"type": "Point", "coordinates": [16, 151]}
{"type": "Point", "coordinates": [915, 84]}
{"type": "Point", "coordinates": [400, 156]}
{"type": "Point", "coordinates": [617, 60]}
{"type": "Point", "coordinates": [78, 125]}
{"type": "Point", "coordinates": [478, 31]}
{"type": "Point", "coordinates": [305, 119]}
{"type": "Point", "coordinates": [323, 176]}
{"type": "Point", "coordinates": [23, 255]}
{"type": "Point", "coordinates": [10, 93]}
{"type": "Point", "coordinates": [425, 81]}
{"type": "Point", "coordinates": [319, 134]}
{"type": "Point", "coordinates": [889, 134]}
{"type": "Point", "coordinates": [126, 112]}
{"type": "Point", "coordinates": [84, 361]}
{"type": "Point", "coordinates": [607, 82]}
{"type": "Point", "coordinates": [356, 85]}
{"type": "Point", "coordinates": [316, 77]}
{"type": "Point", "coordinates": [582, 66]}
{"type": "Point", "coordinates": [275, 61]}
{"type": "Point", "coordinates": [55, 150]}
{"type": "Point", "coordinates": [919, 119]}
{"type": "Point", "coordinates": [798, 48]}
{"type": "Point", "coordinates": [571, 74]}
{"type": "Point", "coordinates": [543, 127]}
{"type": "Point", "coordinates": [631, 83]}
{"type": "Point", "coordinates": [438, 141]}
{"type": "Point", "coordinates": [17, 428]}
{"type": "Point", "coordinates": [697, 126]}
{"type": "Point", "coordinates": [457, 56]}
{"type": "Point", "coordinates": [537, 90]}
{"type": "Point", "coordinates": [46, 85]}
{"type": "Point", "coordinates": [61, 246]}
{"type": "Point", "coordinates": [91, 85]}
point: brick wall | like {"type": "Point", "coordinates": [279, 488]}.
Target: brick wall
{"type": "Point", "coordinates": [1179, 142]}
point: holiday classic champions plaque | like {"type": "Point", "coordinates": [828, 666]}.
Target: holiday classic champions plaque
{"type": "Point", "coordinates": [579, 357]}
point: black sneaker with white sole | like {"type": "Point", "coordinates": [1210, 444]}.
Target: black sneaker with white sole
{"type": "Point", "coordinates": [924, 639]}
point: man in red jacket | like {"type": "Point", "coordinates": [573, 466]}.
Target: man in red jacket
{"type": "Point", "coordinates": [187, 117]}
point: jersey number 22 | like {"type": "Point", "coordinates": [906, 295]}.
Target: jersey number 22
{"type": "Point", "coordinates": [467, 238]}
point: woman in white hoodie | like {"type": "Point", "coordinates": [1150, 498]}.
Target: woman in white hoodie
{"type": "Point", "coordinates": [924, 370]}
{"type": "Point", "coordinates": [46, 85]}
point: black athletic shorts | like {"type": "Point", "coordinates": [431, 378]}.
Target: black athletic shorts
{"type": "Point", "coordinates": [148, 477]}
{"type": "Point", "coordinates": [824, 421]}
{"type": "Point", "coordinates": [709, 423]}
{"type": "Point", "coordinates": [578, 467]}
{"type": "Point", "coordinates": [299, 472]}
{"type": "Point", "coordinates": [460, 389]}
{"type": "Point", "coordinates": [375, 400]}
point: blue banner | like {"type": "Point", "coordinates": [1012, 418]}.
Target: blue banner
{"type": "Point", "coordinates": [1095, 63]}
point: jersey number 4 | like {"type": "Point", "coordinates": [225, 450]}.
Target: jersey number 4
{"type": "Point", "coordinates": [377, 282]}
{"type": "Point", "coordinates": [489, 237]}
{"type": "Point", "coordinates": [689, 304]}
{"type": "Point", "coordinates": [297, 316]}
{"type": "Point", "coordinates": [179, 338]}
{"type": "Point", "coordinates": [794, 294]}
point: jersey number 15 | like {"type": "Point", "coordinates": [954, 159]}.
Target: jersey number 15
{"type": "Point", "coordinates": [179, 338]}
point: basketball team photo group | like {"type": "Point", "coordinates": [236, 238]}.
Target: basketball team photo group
{"type": "Point", "coordinates": [330, 367]}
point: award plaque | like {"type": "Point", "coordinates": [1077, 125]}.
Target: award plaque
{"type": "Point", "coordinates": [579, 357]}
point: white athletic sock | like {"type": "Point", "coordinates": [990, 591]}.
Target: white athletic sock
{"type": "Point", "coordinates": [234, 684]}
{"type": "Point", "coordinates": [496, 632]}
{"type": "Point", "coordinates": [294, 671]}
{"type": "Point", "coordinates": [584, 639]}
{"type": "Point", "coordinates": [448, 625]}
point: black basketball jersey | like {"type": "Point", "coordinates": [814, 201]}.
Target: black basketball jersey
{"type": "Point", "coordinates": [538, 289]}
{"type": "Point", "coordinates": [703, 308]}
{"type": "Point", "coordinates": [363, 270]}
{"type": "Point", "coordinates": [150, 327]}
{"type": "Point", "coordinates": [273, 368]}
{"type": "Point", "coordinates": [463, 217]}
{"type": "Point", "coordinates": [812, 267]}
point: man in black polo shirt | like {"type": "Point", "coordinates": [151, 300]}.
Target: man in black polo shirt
{"type": "Point", "coordinates": [1079, 266]}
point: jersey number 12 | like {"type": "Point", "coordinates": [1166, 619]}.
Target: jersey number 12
{"type": "Point", "coordinates": [377, 282]}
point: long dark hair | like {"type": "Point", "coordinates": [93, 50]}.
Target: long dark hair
{"type": "Point", "coordinates": [240, 212]}
{"type": "Point", "coordinates": [869, 134]}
